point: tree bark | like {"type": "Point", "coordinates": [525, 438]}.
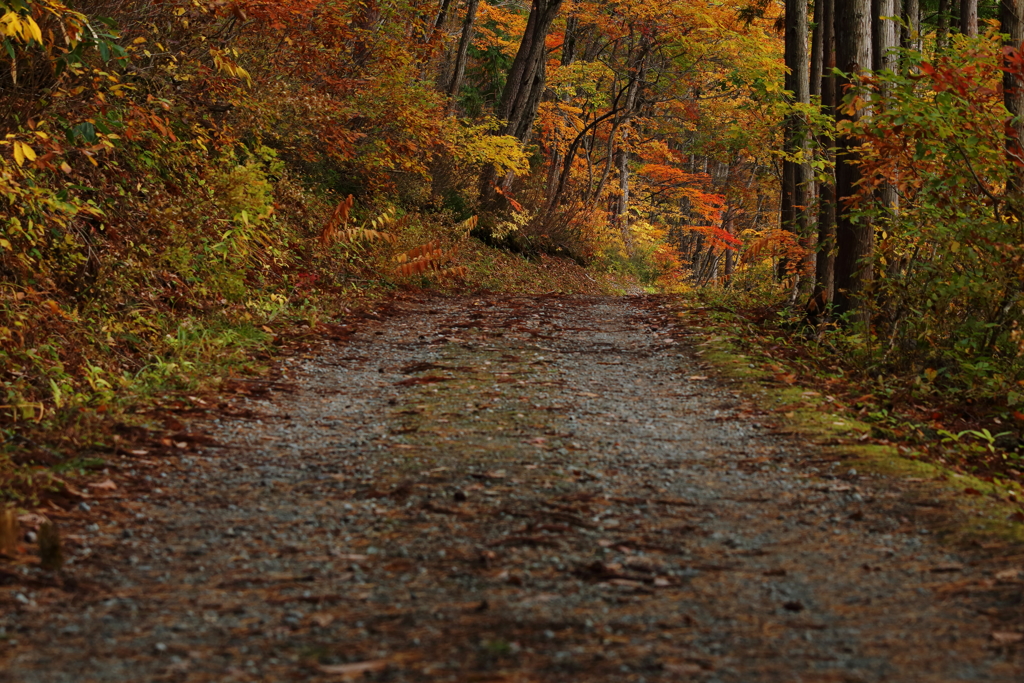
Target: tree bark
{"type": "Point", "coordinates": [622, 209]}
{"type": "Point", "coordinates": [884, 35]}
{"type": "Point", "coordinates": [817, 58]}
{"type": "Point", "coordinates": [463, 52]}
{"type": "Point", "coordinates": [516, 97]}
{"type": "Point", "coordinates": [969, 17]}
{"type": "Point", "coordinates": [942, 26]}
{"type": "Point", "coordinates": [1011, 15]}
{"type": "Point", "coordinates": [825, 258]}
{"type": "Point", "coordinates": [572, 25]}
{"type": "Point", "coordinates": [885, 38]}
{"type": "Point", "coordinates": [796, 176]}
{"type": "Point", "coordinates": [730, 255]}
{"type": "Point", "coordinates": [442, 14]}
{"type": "Point", "coordinates": [854, 237]}
{"type": "Point", "coordinates": [910, 37]}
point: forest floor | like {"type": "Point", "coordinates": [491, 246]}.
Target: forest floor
{"type": "Point", "coordinates": [508, 488]}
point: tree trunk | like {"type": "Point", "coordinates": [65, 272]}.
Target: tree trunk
{"type": "Point", "coordinates": [942, 26]}
{"type": "Point", "coordinates": [796, 177]}
{"type": "Point", "coordinates": [1012, 18]}
{"type": "Point", "coordinates": [910, 37]}
{"type": "Point", "coordinates": [969, 17]}
{"type": "Point", "coordinates": [463, 52]}
{"type": "Point", "coordinates": [442, 14]}
{"type": "Point", "coordinates": [825, 258]}
{"type": "Point", "coordinates": [885, 38]}
{"type": "Point", "coordinates": [854, 238]}
{"type": "Point", "coordinates": [529, 112]}
{"type": "Point", "coordinates": [518, 94]}
{"type": "Point", "coordinates": [569, 44]}
{"type": "Point", "coordinates": [817, 63]}
{"type": "Point", "coordinates": [622, 209]}
{"type": "Point", "coordinates": [364, 23]}
{"type": "Point", "coordinates": [730, 255]}
{"type": "Point", "coordinates": [516, 97]}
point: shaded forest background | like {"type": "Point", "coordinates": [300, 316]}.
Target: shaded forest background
{"type": "Point", "coordinates": [184, 181]}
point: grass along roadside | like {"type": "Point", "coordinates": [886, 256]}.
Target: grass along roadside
{"type": "Point", "coordinates": [960, 505]}
{"type": "Point", "coordinates": [51, 450]}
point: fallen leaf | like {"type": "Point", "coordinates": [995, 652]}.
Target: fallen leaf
{"type": "Point", "coordinates": [1007, 637]}
{"type": "Point", "coordinates": [947, 568]}
{"type": "Point", "coordinates": [972, 492]}
{"type": "Point", "coordinates": [1007, 574]}
{"type": "Point", "coordinates": [352, 557]}
{"type": "Point", "coordinates": [107, 485]}
{"type": "Point", "coordinates": [683, 669]}
{"type": "Point", "coordinates": [349, 672]}
{"type": "Point", "coordinates": [322, 619]}
{"type": "Point", "coordinates": [697, 378]}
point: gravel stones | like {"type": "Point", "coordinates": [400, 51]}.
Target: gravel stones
{"type": "Point", "coordinates": [515, 488]}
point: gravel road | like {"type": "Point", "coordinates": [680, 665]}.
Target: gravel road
{"type": "Point", "coordinates": [513, 489]}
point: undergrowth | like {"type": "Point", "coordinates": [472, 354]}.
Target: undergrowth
{"type": "Point", "coordinates": [960, 418]}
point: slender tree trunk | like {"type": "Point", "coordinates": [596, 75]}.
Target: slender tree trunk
{"type": "Point", "coordinates": [463, 52]}
{"type": "Point", "coordinates": [797, 173]}
{"type": "Point", "coordinates": [572, 25]}
{"type": "Point", "coordinates": [516, 97]}
{"type": "Point", "coordinates": [942, 26]}
{"type": "Point", "coordinates": [529, 112]}
{"type": "Point", "coordinates": [910, 37]}
{"type": "Point", "coordinates": [825, 258]}
{"type": "Point", "coordinates": [730, 255]}
{"type": "Point", "coordinates": [1012, 19]}
{"type": "Point", "coordinates": [817, 49]}
{"type": "Point", "coordinates": [622, 209]}
{"type": "Point", "coordinates": [884, 35]}
{"type": "Point", "coordinates": [885, 38]}
{"type": "Point", "coordinates": [969, 17]}
{"type": "Point", "coordinates": [442, 14]}
{"type": "Point", "coordinates": [365, 23]}
{"type": "Point", "coordinates": [854, 237]}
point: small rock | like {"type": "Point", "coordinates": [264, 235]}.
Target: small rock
{"type": "Point", "coordinates": [84, 507]}
{"type": "Point", "coordinates": [852, 472]}
{"type": "Point", "coordinates": [160, 647]}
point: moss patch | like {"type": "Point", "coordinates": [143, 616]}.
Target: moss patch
{"type": "Point", "coordinates": [959, 508]}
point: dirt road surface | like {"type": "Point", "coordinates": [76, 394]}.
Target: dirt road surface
{"type": "Point", "coordinates": [512, 489]}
